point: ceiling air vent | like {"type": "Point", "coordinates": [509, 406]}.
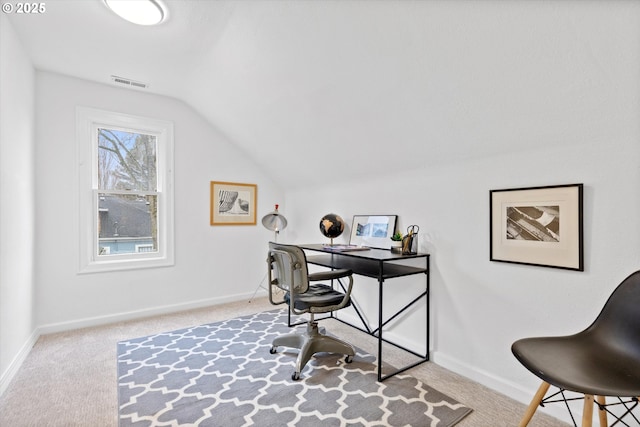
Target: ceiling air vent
{"type": "Point", "coordinates": [128, 82]}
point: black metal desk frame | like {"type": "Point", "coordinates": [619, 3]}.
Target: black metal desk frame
{"type": "Point", "coordinates": [380, 264]}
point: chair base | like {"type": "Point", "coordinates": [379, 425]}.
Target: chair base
{"type": "Point", "coordinates": [587, 414]}
{"type": "Point", "coordinates": [311, 342]}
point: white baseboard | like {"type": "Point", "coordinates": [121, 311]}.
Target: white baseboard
{"type": "Point", "coordinates": [17, 362]}
{"type": "Point", "coordinates": [508, 388]}
{"type": "Point", "coordinates": [20, 357]}
{"type": "Point", "coordinates": [392, 336]}
{"type": "Point", "coordinates": [499, 384]}
{"type": "Point", "coordinates": [138, 314]}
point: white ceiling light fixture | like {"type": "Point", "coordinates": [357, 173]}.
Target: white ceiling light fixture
{"type": "Point", "coordinates": [141, 12]}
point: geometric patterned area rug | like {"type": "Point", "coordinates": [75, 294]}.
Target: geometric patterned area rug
{"type": "Point", "coordinates": [222, 374]}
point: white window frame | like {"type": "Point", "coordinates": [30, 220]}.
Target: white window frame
{"type": "Point", "coordinates": [88, 120]}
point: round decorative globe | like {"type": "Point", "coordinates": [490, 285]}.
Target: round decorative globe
{"type": "Point", "coordinates": [331, 225]}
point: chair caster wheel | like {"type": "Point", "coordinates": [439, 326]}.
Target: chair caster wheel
{"type": "Point", "coordinates": [348, 359]}
{"type": "Point", "coordinates": [272, 350]}
{"type": "Point", "coordinates": [295, 376]}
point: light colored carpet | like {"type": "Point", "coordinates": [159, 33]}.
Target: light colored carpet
{"type": "Point", "coordinates": [69, 379]}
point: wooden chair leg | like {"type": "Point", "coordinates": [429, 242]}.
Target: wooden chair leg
{"type": "Point", "coordinates": [587, 412]}
{"type": "Point", "coordinates": [602, 414]}
{"type": "Point", "coordinates": [535, 402]}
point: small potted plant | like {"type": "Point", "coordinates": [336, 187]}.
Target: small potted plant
{"type": "Point", "coordinates": [396, 242]}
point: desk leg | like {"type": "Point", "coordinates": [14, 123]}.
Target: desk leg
{"type": "Point", "coordinates": [428, 309]}
{"type": "Point", "coordinates": [380, 294]}
{"type": "Point", "coordinates": [381, 323]}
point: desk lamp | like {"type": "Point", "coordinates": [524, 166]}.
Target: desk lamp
{"type": "Point", "coordinates": [275, 222]}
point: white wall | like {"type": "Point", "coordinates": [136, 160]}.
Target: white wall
{"type": "Point", "coordinates": [213, 264]}
{"type": "Point", "coordinates": [479, 308]}
{"type": "Point", "coordinates": [16, 202]}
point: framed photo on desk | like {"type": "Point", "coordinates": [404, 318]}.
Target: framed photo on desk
{"type": "Point", "coordinates": [373, 231]}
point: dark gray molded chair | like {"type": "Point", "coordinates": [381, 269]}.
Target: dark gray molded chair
{"type": "Point", "coordinates": [287, 269]}
{"type": "Point", "coordinates": [603, 360]}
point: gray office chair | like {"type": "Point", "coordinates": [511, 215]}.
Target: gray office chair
{"type": "Point", "coordinates": [287, 270]}
{"type": "Point", "coordinates": [603, 360]}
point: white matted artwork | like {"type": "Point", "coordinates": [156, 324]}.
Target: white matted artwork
{"type": "Point", "coordinates": [373, 231]}
{"type": "Point", "coordinates": [539, 226]}
{"type": "Point", "coordinates": [233, 203]}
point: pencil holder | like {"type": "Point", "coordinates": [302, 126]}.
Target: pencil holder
{"type": "Point", "coordinates": [408, 244]}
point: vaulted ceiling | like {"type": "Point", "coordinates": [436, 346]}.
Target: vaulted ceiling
{"type": "Point", "coordinates": [324, 86]}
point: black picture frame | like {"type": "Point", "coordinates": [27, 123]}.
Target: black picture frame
{"type": "Point", "coordinates": [540, 226]}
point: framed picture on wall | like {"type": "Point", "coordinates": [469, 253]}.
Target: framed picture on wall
{"type": "Point", "coordinates": [539, 226]}
{"type": "Point", "coordinates": [233, 203]}
{"type": "Point", "coordinates": [374, 231]}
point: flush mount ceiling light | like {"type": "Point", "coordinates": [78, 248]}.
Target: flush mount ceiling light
{"type": "Point", "coordinates": [141, 12]}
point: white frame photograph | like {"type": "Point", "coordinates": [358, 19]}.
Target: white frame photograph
{"type": "Point", "coordinates": [373, 231]}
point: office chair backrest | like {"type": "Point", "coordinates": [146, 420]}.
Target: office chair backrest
{"type": "Point", "coordinates": [618, 324]}
{"type": "Point", "coordinates": [289, 265]}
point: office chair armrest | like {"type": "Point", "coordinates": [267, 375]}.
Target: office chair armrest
{"type": "Point", "coordinates": [329, 275]}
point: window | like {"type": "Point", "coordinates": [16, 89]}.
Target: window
{"type": "Point", "coordinates": [126, 198]}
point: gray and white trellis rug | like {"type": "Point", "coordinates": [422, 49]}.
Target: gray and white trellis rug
{"type": "Point", "coordinates": [222, 374]}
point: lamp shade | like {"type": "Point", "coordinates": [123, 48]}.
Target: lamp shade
{"type": "Point", "coordinates": [274, 221]}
